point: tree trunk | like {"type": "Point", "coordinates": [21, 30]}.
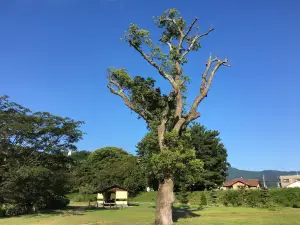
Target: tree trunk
{"type": "Point", "coordinates": [164, 202]}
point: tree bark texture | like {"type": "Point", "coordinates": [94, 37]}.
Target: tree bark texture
{"type": "Point", "coordinates": [164, 201]}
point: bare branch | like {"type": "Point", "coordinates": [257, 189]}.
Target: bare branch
{"type": "Point", "coordinates": [120, 92]}
{"type": "Point", "coordinates": [170, 46]}
{"type": "Point", "coordinates": [154, 64]}
{"type": "Point", "coordinates": [194, 41]}
{"type": "Point", "coordinates": [190, 28]}
{"type": "Point", "coordinates": [205, 86]}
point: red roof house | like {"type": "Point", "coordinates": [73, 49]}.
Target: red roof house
{"type": "Point", "coordinates": [240, 183]}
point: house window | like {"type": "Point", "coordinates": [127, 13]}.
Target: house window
{"type": "Point", "coordinates": [241, 187]}
{"type": "Point", "coordinates": [286, 180]}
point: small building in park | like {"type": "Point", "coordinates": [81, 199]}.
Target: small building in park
{"type": "Point", "coordinates": [112, 196]}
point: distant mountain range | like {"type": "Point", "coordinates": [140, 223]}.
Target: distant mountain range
{"type": "Point", "coordinates": [271, 176]}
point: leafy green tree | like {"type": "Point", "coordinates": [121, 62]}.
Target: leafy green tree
{"type": "Point", "coordinates": [167, 115]}
{"type": "Point", "coordinates": [34, 168]}
{"type": "Point", "coordinates": [109, 166]}
{"type": "Point", "coordinates": [203, 200]}
{"type": "Point", "coordinates": [213, 195]}
{"type": "Point", "coordinates": [80, 156]}
{"type": "Point", "coordinates": [211, 151]}
{"type": "Point", "coordinates": [183, 195]}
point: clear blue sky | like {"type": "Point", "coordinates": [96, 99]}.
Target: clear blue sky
{"type": "Point", "coordinates": [54, 55]}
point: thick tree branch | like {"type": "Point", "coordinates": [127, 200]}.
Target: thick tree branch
{"type": "Point", "coordinates": [207, 78]}
{"type": "Point", "coordinates": [194, 41]}
{"type": "Point", "coordinates": [155, 65]}
{"type": "Point", "coordinates": [205, 85]}
{"type": "Point", "coordinates": [174, 83]}
{"type": "Point", "coordinates": [170, 46]}
{"type": "Point", "coordinates": [190, 28]}
{"type": "Point", "coordinates": [145, 115]}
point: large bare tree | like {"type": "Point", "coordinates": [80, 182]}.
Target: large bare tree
{"type": "Point", "coordinates": [167, 114]}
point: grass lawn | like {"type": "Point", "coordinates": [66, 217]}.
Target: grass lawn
{"type": "Point", "coordinates": [144, 214]}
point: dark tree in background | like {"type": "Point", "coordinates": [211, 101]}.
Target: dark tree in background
{"type": "Point", "coordinates": [34, 167]}
{"type": "Point", "coordinates": [167, 115]}
{"type": "Point", "coordinates": [212, 152]}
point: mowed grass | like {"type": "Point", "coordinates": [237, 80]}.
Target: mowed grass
{"type": "Point", "coordinates": [144, 215]}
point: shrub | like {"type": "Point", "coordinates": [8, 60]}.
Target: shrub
{"type": "Point", "coordinates": [203, 200]}
{"type": "Point", "coordinates": [58, 203]}
{"type": "Point", "coordinates": [288, 197]}
{"type": "Point", "coordinates": [233, 198]}
{"type": "Point", "coordinates": [17, 209]}
{"type": "Point", "coordinates": [213, 196]}
{"type": "Point", "coordinates": [77, 197]}
{"type": "Point", "coordinates": [265, 198]}
{"type": "Point", "coordinates": [183, 196]}
{"type": "Point", "coordinates": [2, 211]}
{"type": "Point", "coordinates": [279, 197]}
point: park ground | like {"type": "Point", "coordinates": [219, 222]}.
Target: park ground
{"type": "Point", "coordinates": [143, 214]}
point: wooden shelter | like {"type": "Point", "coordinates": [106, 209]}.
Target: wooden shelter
{"type": "Point", "coordinates": [112, 196]}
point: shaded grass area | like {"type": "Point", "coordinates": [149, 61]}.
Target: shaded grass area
{"type": "Point", "coordinates": [79, 214]}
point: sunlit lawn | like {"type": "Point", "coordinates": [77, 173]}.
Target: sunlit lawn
{"type": "Point", "coordinates": [144, 214]}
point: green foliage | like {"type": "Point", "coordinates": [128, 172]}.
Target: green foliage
{"type": "Point", "coordinates": [108, 166]}
{"type": "Point", "coordinates": [200, 146]}
{"type": "Point", "coordinates": [136, 36]}
{"type": "Point", "coordinates": [281, 197]}
{"type": "Point", "coordinates": [183, 195]}
{"type": "Point", "coordinates": [78, 197]}
{"type": "Point", "coordinates": [79, 156]}
{"type": "Point", "coordinates": [265, 197]}
{"type": "Point", "coordinates": [34, 165]}
{"type": "Point", "coordinates": [211, 151]}
{"type": "Point", "coordinates": [203, 200]}
{"type": "Point", "coordinates": [142, 94]}
{"type": "Point", "coordinates": [213, 196]}
{"type": "Point", "coordinates": [233, 198]}
{"type": "Point", "coordinates": [177, 158]}
{"type": "Point", "coordinates": [288, 197]}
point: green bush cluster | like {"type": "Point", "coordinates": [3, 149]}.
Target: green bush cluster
{"type": "Point", "coordinates": [78, 197]}
{"type": "Point", "coordinates": [57, 202]}
{"type": "Point", "coordinates": [287, 197]}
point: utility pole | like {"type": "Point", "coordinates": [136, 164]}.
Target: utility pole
{"type": "Point", "coordinates": [265, 186]}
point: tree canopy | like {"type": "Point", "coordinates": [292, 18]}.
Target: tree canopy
{"type": "Point", "coordinates": [34, 167]}
{"type": "Point", "coordinates": [109, 166]}
{"type": "Point", "coordinates": [208, 148]}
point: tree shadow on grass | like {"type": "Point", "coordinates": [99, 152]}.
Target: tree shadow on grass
{"type": "Point", "coordinates": [184, 213]}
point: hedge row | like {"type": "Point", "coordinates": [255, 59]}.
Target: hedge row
{"type": "Point", "coordinates": [287, 197]}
